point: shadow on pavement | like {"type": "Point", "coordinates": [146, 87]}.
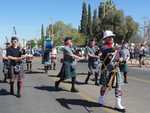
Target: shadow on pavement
{"type": "Point", "coordinates": [49, 88]}
{"type": "Point", "coordinates": [77, 82]}
{"type": "Point", "coordinates": [82, 73]}
{"type": "Point", "coordinates": [66, 102]}
{"type": "Point", "coordinates": [52, 75]}
{"type": "Point", "coordinates": [40, 68]}
{"type": "Point", "coordinates": [34, 72]}
{"type": "Point", "coordinates": [4, 92]}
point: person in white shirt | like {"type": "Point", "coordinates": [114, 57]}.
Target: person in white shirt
{"type": "Point", "coordinates": [141, 55]}
{"type": "Point", "coordinates": [5, 62]}
{"type": "Point", "coordinates": [53, 57]}
{"type": "Point", "coordinates": [125, 55]}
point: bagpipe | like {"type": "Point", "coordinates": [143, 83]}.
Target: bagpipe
{"type": "Point", "coordinates": [77, 51]}
{"type": "Point", "coordinates": [113, 69]}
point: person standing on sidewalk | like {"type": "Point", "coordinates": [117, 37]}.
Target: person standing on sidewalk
{"type": "Point", "coordinates": [93, 61]}
{"type": "Point", "coordinates": [141, 55]}
{"type": "Point", "coordinates": [125, 55]}
{"type": "Point", "coordinates": [69, 62]}
{"type": "Point", "coordinates": [110, 73]}
{"type": "Point", "coordinates": [5, 62]}
{"type": "Point", "coordinates": [14, 54]}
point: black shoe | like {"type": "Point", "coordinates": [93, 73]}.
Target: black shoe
{"type": "Point", "coordinates": [74, 90]}
{"type": "Point", "coordinates": [125, 82]}
{"type": "Point", "coordinates": [11, 92]}
{"type": "Point", "coordinates": [56, 85]}
{"type": "Point", "coordinates": [96, 84]}
{"type": "Point", "coordinates": [4, 81]}
{"type": "Point", "coordinates": [120, 110]}
{"type": "Point", "coordinates": [86, 82]}
{"type": "Point", "coordinates": [19, 95]}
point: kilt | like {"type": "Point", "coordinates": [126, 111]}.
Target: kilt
{"type": "Point", "coordinates": [68, 70]}
{"type": "Point", "coordinates": [94, 66]}
{"type": "Point", "coordinates": [104, 78]}
{"type": "Point", "coordinates": [29, 59]}
{"type": "Point", "coordinates": [16, 72]}
{"type": "Point", "coordinates": [124, 67]}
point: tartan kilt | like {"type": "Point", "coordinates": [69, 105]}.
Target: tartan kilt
{"type": "Point", "coordinates": [68, 71]}
{"type": "Point", "coordinates": [14, 74]}
{"type": "Point", "coordinates": [104, 78]}
{"type": "Point", "coordinates": [124, 67]}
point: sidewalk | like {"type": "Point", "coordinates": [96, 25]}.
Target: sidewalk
{"type": "Point", "coordinates": [135, 63]}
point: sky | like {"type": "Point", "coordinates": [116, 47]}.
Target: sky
{"type": "Point", "coordinates": [28, 15]}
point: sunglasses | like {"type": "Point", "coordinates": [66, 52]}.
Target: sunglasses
{"type": "Point", "coordinates": [14, 41]}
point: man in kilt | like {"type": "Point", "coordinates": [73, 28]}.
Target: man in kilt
{"type": "Point", "coordinates": [110, 72]}
{"type": "Point", "coordinates": [93, 61]}
{"type": "Point", "coordinates": [15, 57]}
{"type": "Point", "coordinates": [68, 67]}
{"type": "Point", "coordinates": [125, 55]}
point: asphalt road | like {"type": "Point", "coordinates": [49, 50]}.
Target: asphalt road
{"type": "Point", "coordinates": [40, 96]}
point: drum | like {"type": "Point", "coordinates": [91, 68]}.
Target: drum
{"type": "Point", "coordinates": [29, 57]}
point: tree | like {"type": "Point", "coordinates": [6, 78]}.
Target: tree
{"type": "Point", "coordinates": [84, 19]}
{"type": "Point", "coordinates": [111, 18]}
{"type": "Point", "coordinates": [94, 23]}
{"type": "Point", "coordinates": [89, 23]}
{"type": "Point", "coordinates": [131, 26]}
{"type": "Point", "coordinates": [31, 43]}
{"type": "Point", "coordinates": [96, 26]}
{"type": "Point", "coordinates": [42, 36]}
{"type": "Point", "coordinates": [61, 30]}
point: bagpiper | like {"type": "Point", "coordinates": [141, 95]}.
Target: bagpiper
{"type": "Point", "coordinates": [110, 72]}
{"type": "Point", "coordinates": [14, 55]}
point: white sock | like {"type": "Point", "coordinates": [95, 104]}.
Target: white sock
{"type": "Point", "coordinates": [101, 100]}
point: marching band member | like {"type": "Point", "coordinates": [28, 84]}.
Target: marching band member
{"type": "Point", "coordinates": [110, 72]}
{"type": "Point", "coordinates": [125, 55]}
{"type": "Point", "coordinates": [93, 61]}
{"type": "Point", "coordinates": [69, 63]}
{"type": "Point", "coordinates": [15, 56]}
{"type": "Point", "coordinates": [29, 58]}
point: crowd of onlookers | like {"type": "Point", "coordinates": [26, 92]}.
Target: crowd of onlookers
{"type": "Point", "coordinates": [139, 53]}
